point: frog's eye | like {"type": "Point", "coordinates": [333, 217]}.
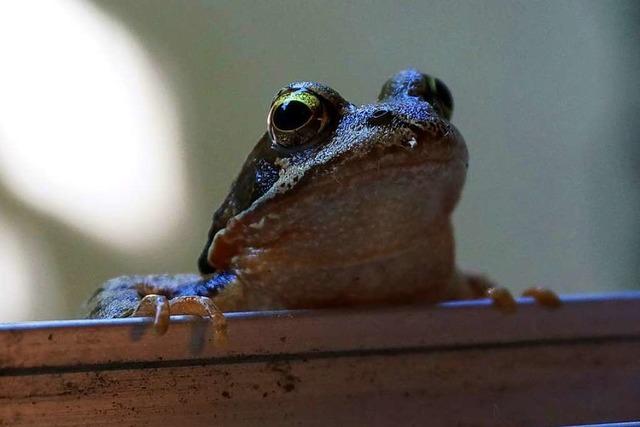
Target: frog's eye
{"type": "Point", "coordinates": [296, 117]}
{"type": "Point", "coordinates": [439, 95]}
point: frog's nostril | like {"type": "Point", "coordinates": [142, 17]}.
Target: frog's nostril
{"type": "Point", "coordinates": [380, 113]}
{"type": "Point", "coordinates": [380, 116]}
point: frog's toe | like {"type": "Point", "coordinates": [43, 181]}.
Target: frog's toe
{"type": "Point", "coordinates": [158, 307]}
{"type": "Point", "coordinates": [204, 307]}
{"type": "Point", "coordinates": [502, 299]}
{"type": "Point", "coordinates": [543, 296]}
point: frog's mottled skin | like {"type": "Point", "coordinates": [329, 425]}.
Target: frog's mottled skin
{"type": "Point", "coordinates": [360, 216]}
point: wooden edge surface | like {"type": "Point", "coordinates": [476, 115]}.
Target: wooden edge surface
{"type": "Point", "coordinates": [83, 344]}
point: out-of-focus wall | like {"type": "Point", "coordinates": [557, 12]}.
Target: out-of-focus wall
{"type": "Point", "coordinates": [546, 96]}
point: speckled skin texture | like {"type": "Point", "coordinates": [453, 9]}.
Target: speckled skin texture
{"type": "Point", "coordinates": [359, 215]}
{"type": "Point", "coordinates": [118, 297]}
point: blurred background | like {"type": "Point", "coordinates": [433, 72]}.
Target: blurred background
{"type": "Point", "coordinates": [122, 125]}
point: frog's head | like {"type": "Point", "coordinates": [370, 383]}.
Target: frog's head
{"type": "Point", "coordinates": [328, 170]}
{"type": "Point", "coordinates": [318, 132]}
{"type": "Point", "coordinates": [308, 119]}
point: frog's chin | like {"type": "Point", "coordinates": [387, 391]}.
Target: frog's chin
{"type": "Point", "coordinates": [379, 227]}
{"type": "Point", "coordinates": [365, 211]}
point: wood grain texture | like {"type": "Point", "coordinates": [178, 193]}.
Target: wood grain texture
{"type": "Point", "coordinates": [454, 364]}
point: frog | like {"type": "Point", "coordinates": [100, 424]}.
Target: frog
{"type": "Point", "coordinates": [337, 205]}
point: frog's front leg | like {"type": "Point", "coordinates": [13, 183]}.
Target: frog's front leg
{"type": "Point", "coordinates": [160, 296]}
{"type": "Point", "coordinates": [471, 286]}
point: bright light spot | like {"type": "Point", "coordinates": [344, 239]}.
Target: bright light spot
{"type": "Point", "coordinates": [88, 130]}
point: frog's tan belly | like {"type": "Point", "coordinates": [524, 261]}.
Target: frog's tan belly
{"type": "Point", "coordinates": [376, 237]}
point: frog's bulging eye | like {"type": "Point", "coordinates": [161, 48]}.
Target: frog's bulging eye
{"type": "Point", "coordinates": [446, 99]}
{"type": "Point", "coordinates": [439, 95]}
{"type": "Point", "coordinates": [296, 117]}
{"type": "Point", "coordinates": [291, 115]}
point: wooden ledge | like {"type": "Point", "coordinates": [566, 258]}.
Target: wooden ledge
{"type": "Point", "coordinates": [460, 362]}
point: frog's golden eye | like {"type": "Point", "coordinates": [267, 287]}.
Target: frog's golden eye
{"type": "Point", "coordinates": [296, 117]}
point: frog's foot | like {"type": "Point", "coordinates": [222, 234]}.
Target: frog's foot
{"type": "Point", "coordinates": [162, 308]}
{"type": "Point", "coordinates": [502, 298]}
